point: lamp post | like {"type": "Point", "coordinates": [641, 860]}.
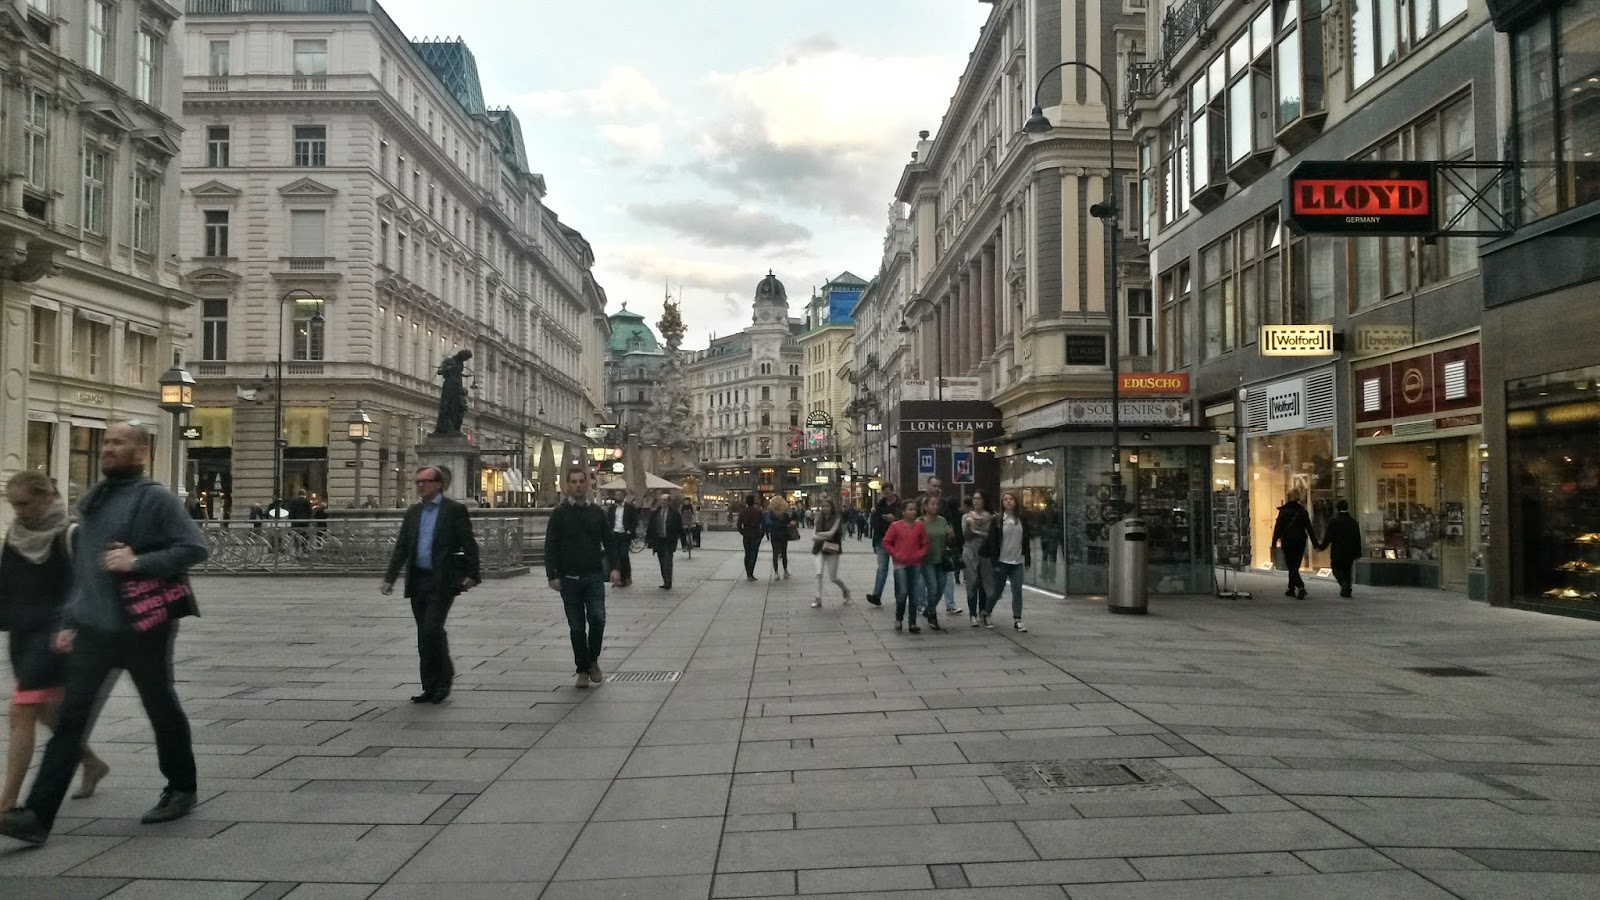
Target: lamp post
{"type": "Point", "coordinates": [1106, 210]}
{"type": "Point", "coordinates": [177, 397]}
{"type": "Point", "coordinates": [358, 431]}
{"type": "Point", "coordinates": [278, 441]}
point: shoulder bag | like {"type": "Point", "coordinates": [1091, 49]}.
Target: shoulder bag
{"type": "Point", "coordinates": [153, 600]}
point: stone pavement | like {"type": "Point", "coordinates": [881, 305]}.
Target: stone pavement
{"type": "Point", "coordinates": [1259, 748]}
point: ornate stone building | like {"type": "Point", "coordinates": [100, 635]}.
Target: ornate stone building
{"type": "Point", "coordinates": [353, 207]}
{"type": "Point", "coordinates": [93, 307]}
{"type": "Point", "coordinates": [879, 348]}
{"type": "Point", "coordinates": [826, 346]}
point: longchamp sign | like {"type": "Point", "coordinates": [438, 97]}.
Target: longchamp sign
{"type": "Point", "coordinates": [1363, 198]}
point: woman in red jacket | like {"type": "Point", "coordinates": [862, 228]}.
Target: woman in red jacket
{"type": "Point", "coordinates": [906, 542]}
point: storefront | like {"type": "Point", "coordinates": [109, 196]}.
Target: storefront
{"type": "Point", "coordinates": [209, 476]}
{"type": "Point", "coordinates": [1414, 484]}
{"type": "Point", "coordinates": [1289, 426]}
{"type": "Point", "coordinates": [1058, 462]}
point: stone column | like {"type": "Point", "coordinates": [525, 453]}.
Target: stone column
{"type": "Point", "coordinates": [945, 365]}
{"type": "Point", "coordinates": [975, 319]}
{"type": "Point", "coordinates": [986, 304]}
{"type": "Point", "coordinates": [963, 319]}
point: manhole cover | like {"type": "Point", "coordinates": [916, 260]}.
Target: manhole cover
{"type": "Point", "coordinates": [1078, 776]}
{"type": "Point", "coordinates": [624, 677]}
{"type": "Point", "coordinates": [1447, 672]}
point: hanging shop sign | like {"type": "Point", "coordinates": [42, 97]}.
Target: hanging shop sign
{"type": "Point", "coordinates": [874, 427]}
{"type": "Point", "coordinates": [1098, 412]}
{"type": "Point", "coordinates": [819, 419]}
{"type": "Point", "coordinates": [192, 433]}
{"type": "Point", "coordinates": [1153, 385]}
{"type": "Point", "coordinates": [1362, 198]}
{"type": "Point", "coordinates": [1297, 340]}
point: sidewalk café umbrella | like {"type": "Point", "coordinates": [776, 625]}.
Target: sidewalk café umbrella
{"type": "Point", "coordinates": [651, 483]}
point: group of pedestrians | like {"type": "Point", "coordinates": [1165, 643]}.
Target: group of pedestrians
{"type": "Point", "coordinates": [1293, 532]}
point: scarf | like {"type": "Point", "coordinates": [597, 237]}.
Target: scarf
{"type": "Point", "coordinates": [34, 539]}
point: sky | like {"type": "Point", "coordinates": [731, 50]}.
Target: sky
{"type": "Point", "coordinates": [699, 143]}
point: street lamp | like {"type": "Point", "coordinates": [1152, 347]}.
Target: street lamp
{"type": "Point", "coordinates": [278, 440]}
{"type": "Point", "coordinates": [177, 397]}
{"type": "Point", "coordinates": [1107, 210]}
{"type": "Point", "coordinates": [358, 431]}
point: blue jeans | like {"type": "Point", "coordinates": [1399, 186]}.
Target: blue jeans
{"type": "Point", "coordinates": [935, 582]}
{"type": "Point", "coordinates": [907, 590]}
{"type": "Point", "coordinates": [584, 598]}
{"type": "Point", "coordinates": [1011, 572]}
{"type": "Point", "coordinates": [883, 572]}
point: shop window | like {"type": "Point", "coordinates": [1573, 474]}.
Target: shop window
{"type": "Point", "coordinates": [41, 446]}
{"type": "Point", "coordinates": [305, 426]}
{"type": "Point", "coordinates": [83, 461]}
{"type": "Point", "coordinates": [1552, 426]}
{"type": "Point", "coordinates": [1301, 461]}
{"type": "Point", "coordinates": [1557, 108]}
{"type": "Point", "coordinates": [1418, 502]}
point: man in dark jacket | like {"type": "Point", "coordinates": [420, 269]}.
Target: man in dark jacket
{"type": "Point", "coordinates": [752, 525]}
{"type": "Point", "coordinates": [884, 514]}
{"type": "Point", "coordinates": [575, 563]}
{"type": "Point", "coordinates": [128, 526]}
{"type": "Point", "coordinates": [663, 534]}
{"type": "Point", "coordinates": [622, 519]}
{"type": "Point", "coordinates": [1343, 537]}
{"type": "Point", "coordinates": [1291, 532]}
{"type": "Point", "coordinates": [440, 556]}
{"type": "Point", "coordinates": [300, 510]}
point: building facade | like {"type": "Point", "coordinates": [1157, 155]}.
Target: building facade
{"type": "Point", "coordinates": [827, 345]}
{"type": "Point", "coordinates": [874, 374]}
{"type": "Point", "coordinates": [746, 390]}
{"type": "Point", "coordinates": [92, 306]}
{"type": "Point", "coordinates": [352, 207]}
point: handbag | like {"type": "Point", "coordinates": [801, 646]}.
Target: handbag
{"type": "Point", "coordinates": [829, 548]}
{"type": "Point", "coordinates": [153, 600]}
{"type": "Point", "coordinates": [792, 532]}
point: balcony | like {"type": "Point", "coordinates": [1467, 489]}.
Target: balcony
{"type": "Point", "coordinates": [266, 7]}
{"type": "Point", "coordinates": [216, 82]}
{"type": "Point", "coordinates": [308, 83]}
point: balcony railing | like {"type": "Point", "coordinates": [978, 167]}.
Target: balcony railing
{"type": "Point", "coordinates": [266, 7]}
{"type": "Point", "coordinates": [1183, 22]}
{"type": "Point", "coordinates": [1145, 80]}
{"type": "Point", "coordinates": [307, 263]}
{"type": "Point", "coordinates": [216, 82]}
{"type": "Point", "coordinates": [309, 83]}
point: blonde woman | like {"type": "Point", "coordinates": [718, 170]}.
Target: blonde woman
{"type": "Point", "coordinates": [826, 547]}
{"type": "Point", "coordinates": [780, 521]}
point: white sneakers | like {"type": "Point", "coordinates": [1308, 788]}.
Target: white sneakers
{"type": "Point", "coordinates": [1017, 624]}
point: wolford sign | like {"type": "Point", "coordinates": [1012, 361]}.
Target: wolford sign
{"type": "Point", "coordinates": [1392, 198]}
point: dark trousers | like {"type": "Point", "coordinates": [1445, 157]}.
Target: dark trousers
{"type": "Point", "coordinates": [1293, 555]}
{"type": "Point", "coordinates": [584, 599]}
{"type": "Point", "coordinates": [1341, 573]}
{"type": "Point", "coordinates": [665, 550]}
{"type": "Point", "coordinates": [430, 606]}
{"type": "Point", "coordinates": [752, 553]}
{"type": "Point", "coordinates": [147, 658]}
{"type": "Point", "coordinates": [617, 543]}
{"type": "Point", "coordinates": [780, 553]}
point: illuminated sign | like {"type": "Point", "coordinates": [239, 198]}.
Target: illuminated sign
{"type": "Point", "coordinates": [874, 427]}
{"type": "Point", "coordinates": [1392, 198]}
{"type": "Point", "coordinates": [192, 433]}
{"type": "Point", "coordinates": [1297, 340]}
{"type": "Point", "coordinates": [1153, 385]}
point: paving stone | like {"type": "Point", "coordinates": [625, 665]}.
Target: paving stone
{"type": "Point", "coordinates": [592, 734]}
{"type": "Point", "coordinates": [1138, 746]}
{"type": "Point", "coordinates": [325, 808]}
{"type": "Point", "coordinates": [763, 822]}
{"type": "Point", "coordinates": [665, 798]}
{"type": "Point", "coordinates": [45, 888]}
{"type": "Point", "coordinates": [453, 890]}
{"type": "Point", "coordinates": [668, 887]}
{"type": "Point", "coordinates": [389, 769]}
{"type": "Point", "coordinates": [469, 853]}
{"type": "Point", "coordinates": [699, 759]}
{"type": "Point", "coordinates": [1354, 859]}
{"type": "Point", "coordinates": [1356, 886]}
{"type": "Point", "coordinates": [159, 889]}
{"type": "Point", "coordinates": [862, 795]}
{"type": "Point", "coordinates": [1419, 858]}
{"type": "Point", "coordinates": [1373, 784]}
{"type": "Point", "coordinates": [871, 846]}
{"type": "Point", "coordinates": [1500, 885]}
{"type": "Point", "coordinates": [883, 817]}
{"type": "Point", "coordinates": [698, 731]}
{"type": "Point", "coordinates": [330, 892]}
{"type": "Point", "coordinates": [258, 852]}
{"type": "Point", "coordinates": [1421, 824]}
{"type": "Point", "coordinates": [1050, 871]}
{"type": "Point", "coordinates": [561, 763]}
{"type": "Point", "coordinates": [1532, 860]}
{"type": "Point", "coordinates": [876, 878]}
{"type": "Point", "coordinates": [535, 801]}
{"type": "Point", "coordinates": [1226, 865]}
{"type": "Point", "coordinates": [1171, 835]}
{"type": "Point", "coordinates": [644, 848]}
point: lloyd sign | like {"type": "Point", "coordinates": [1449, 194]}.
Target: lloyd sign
{"type": "Point", "coordinates": [1286, 405]}
{"type": "Point", "coordinates": [1392, 198]}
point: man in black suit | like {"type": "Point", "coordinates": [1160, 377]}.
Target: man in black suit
{"type": "Point", "coordinates": [663, 535]}
{"type": "Point", "coordinates": [441, 558]}
{"type": "Point", "coordinates": [623, 523]}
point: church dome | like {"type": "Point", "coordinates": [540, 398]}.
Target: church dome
{"type": "Point", "coordinates": [771, 290]}
{"type": "Point", "coordinates": [630, 334]}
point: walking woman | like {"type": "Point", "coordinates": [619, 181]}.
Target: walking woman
{"type": "Point", "coordinates": [980, 567]}
{"type": "Point", "coordinates": [907, 545]}
{"type": "Point", "coordinates": [691, 527]}
{"type": "Point", "coordinates": [1008, 546]}
{"type": "Point", "coordinates": [782, 527]}
{"type": "Point", "coordinates": [934, 573]}
{"type": "Point", "coordinates": [826, 547]}
{"type": "Point", "coordinates": [35, 578]}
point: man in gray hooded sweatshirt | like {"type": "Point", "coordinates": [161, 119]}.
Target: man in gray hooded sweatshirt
{"type": "Point", "coordinates": [128, 525]}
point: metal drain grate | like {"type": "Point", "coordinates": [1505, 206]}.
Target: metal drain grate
{"type": "Point", "coordinates": [1447, 672]}
{"type": "Point", "coordinates": [650, 677]}
{"type": "Point", "coordinates": [1080, 776]}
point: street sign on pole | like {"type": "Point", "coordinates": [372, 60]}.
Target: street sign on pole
{"type": "Point", "coordinates": [961, 470]}
{"type": "Point", "coordinates": [927, 464]}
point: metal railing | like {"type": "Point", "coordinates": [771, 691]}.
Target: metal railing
{"type": "Point", "coordinates": [340, 546]}
{"type": "Point", "coordinates": [1183, 22]}
{"type": "Point", "coordinates": [266, 7]}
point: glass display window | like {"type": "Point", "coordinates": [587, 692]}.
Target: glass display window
{"type": "Point", "coordinates": [1552, 431]}
{"type": "Point", "coordinates": [1295, 460]}
{"type": "Point", "coordinates": [83, 461]}
{"type": "Point", "coordinates": [1416, 501]}
{"type": "Point", "coordinates": [41, 444]}
{"type": "Point", "coordinates": [1036, 478]}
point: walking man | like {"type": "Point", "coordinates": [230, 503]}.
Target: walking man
{"type": "Point", "coordinates": [128, 525]}
{"type": "Point", "coordinates": [440, 556]}
{"type": "Point", "coordinates": [1343, 535]}
{"type": "Point", "coordinates": [623, 517]}
{"type": "Point", "coordinates": [575, 563]}
{"type": "Point", "coordinates": [884, 514]}
{"type": "Point", "coordinates": [1291, 532]}
{"type": "Point", "coordinates": [663, 534]}
{"type": "Point", "coordinates": [752, 524]}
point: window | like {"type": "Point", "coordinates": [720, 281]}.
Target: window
{"type": "Point", "coordinates": [308, 233]}
{"type": "Point", "coordinates": [1383, 31]}
{"type": "Point", "coordinates": [1176, 291]}
{"type": "Point", "coordinates": [216, 233]}
{"type": "Point", "coordinates": [138, 353]}
{"type": "Point", "coordinates": [214, 329]}
{"type": "Point", "coordinates": [144, 214]}
{"type": "Point", "coordinates": [43, 339]}
{"type": "Point", "coordinates": [1557, 108]}
{"type": "Point", "coordinates": [794, 420]}
{"type": "Point", "coordinates": [218, 58]}
{"type": "Point", "coordinates": [794, 393]}
{"type": "Point", "coordinates": [147, 73]}
{"type": "Point", "coordinates": [94, 190]}
{"type": "Point", "coordinates": [91, 344]}
{"type": "Point", "coordinates": [36, 141]}
{"type": "Point", "coordinates": [311, 57]}
{"type": "Point", "coordinates": [309, 329]}
{"type": "Point", "coordinates": [1218, 303]}
{"type": "Point", "coordinates": [1140, 332]}
{"type": "Point", "coordinates": [95, 58]}
{"type": "Point", "coordinates": [1301, 95]}
{"type": "Point", "coordinates": [383, 243]}
{"type": "Point", "coordinates": [1250, 97]}
{"type": "Point", "coordinates": [311, 145]}
{"type": "Point", "coordinates": [218, 139]}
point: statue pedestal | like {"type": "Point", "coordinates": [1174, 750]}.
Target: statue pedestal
{"type": "Point", "coordinates": [456, 453]}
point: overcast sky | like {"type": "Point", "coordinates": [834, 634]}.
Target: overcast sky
{"type": "Point", "coordinates": [701, 142]}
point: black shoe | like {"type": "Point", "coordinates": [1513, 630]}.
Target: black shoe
{"type": "Point", "coordinates": [440, 697]}
{"type": "Point", "coordinates": [1300, 594]}
{"type": "Point", "coordinates": [1289, 593]}
{"type": "Point", "coordinates": [934, 624]}
{"type": "Point", "coordinates": [666, 587]}
{"type": "Point", "coordinates": [875, 599]}
{"type": "Point", "coordinates": [173, 805]}
{"type": "Point", "coordinates": [750, 577]}
{"type": "Point", "coordinates": [914, 630]}
{"type": "Point", "coordinates": [424, 697]}
{"type": "Point", "coordinates": [23, 824]}
{"type": "Point", "coordinates": [1344, 593]}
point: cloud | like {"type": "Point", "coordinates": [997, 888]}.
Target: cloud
{"type": "Point", "coordinates": [667, 267]}
{"type": "Point", "coordinates": [624, 91]}
{"type": "Point", "coordinates": [638, 141]}
{"type": "Point", "coordinates": [721, 225]}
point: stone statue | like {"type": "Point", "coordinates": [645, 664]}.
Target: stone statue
{"type": "Point", "coordinates": [453, 397]}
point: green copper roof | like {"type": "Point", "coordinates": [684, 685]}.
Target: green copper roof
{"type": "Point", "coordinates": [630, 334]}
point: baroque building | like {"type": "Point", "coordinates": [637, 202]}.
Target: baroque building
{"type": "Point", "coordinates": [826, 345]}
{"type": "Point", "coordinates": [92, 306]}
{"type": "Point", "coordinates": [879, 349]}
{"type": "Point", "coordinates": [354, 208]}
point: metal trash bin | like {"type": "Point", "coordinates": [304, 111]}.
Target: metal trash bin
{"type": "Point", "coordinates": [1130, 553]}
